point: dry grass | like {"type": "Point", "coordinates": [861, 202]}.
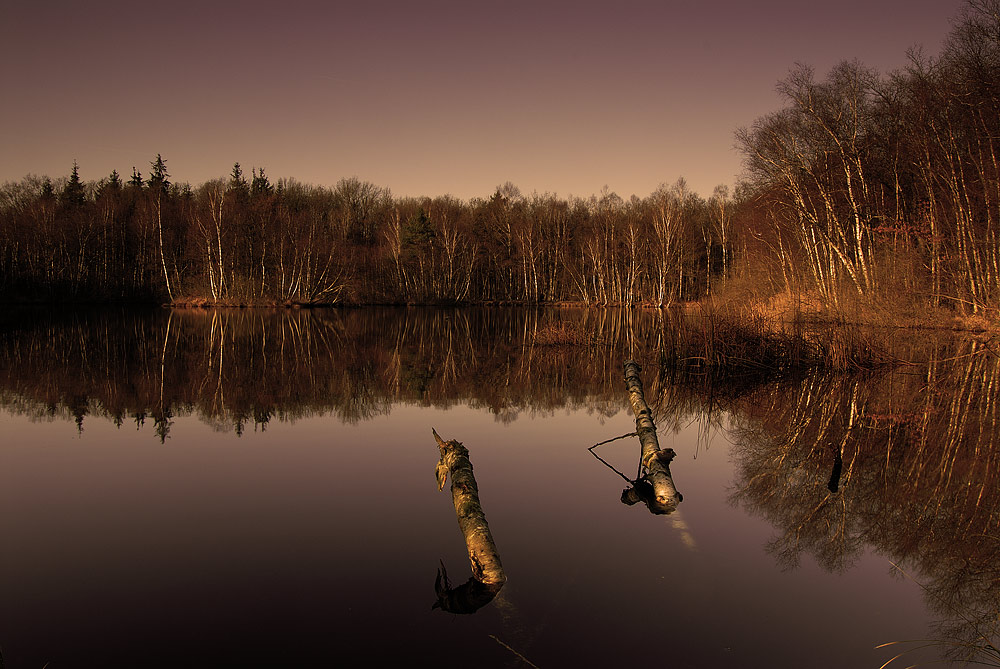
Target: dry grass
{"type": "Point", "coordinates": [753, 336]}
{"type": "Point", "coordinates": [233, 303]}
{"type": "Point", "coordinates": [897, 310]}
{"type": "Point", "coordinates": [977, 323]}
{"type": "Point", "coordinates": [775, 335]}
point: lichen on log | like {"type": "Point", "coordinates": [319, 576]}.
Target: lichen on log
{"type": "Point", "coordinates": [656, 487]}
{"type": "Point", "coordinates": [487, 571]}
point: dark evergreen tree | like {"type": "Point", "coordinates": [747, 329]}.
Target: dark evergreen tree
{"type": "Point", "coordinates": [417, 233]}
{"type": "Point", "coordinates": [238, 182]}
{"type": "Point", "coordinates": [73, 195]}
{"type": "Point", "coordinates": [136, 180]}
{"type": "Point", "coordinates": [158, 176]}
{"type": "Point", "coordinates": [260, 186]}
{"type": "Point", "coordinates": [111, 185]}
{"type": "Point", "coordinates": [48, 192]}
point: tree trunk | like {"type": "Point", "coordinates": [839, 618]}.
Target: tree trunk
{"type": "Point", "coordinates": [656, 462]}
{"type": "Point", "coordinates": [163, 260]}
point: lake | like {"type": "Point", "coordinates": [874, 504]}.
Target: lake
{"type": "Point", "coordinates": [252, 487]}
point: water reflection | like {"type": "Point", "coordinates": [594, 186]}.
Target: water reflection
{"type": "Point", "coordinates": [904, 461]}
{"type": "Point", "coordinates": [243, 368]}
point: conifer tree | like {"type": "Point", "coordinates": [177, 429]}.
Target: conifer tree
{"type": "Point", "coordinates": [112, 184]}
{"type": "Point", "coordinates": [73, 195]}
{"type": "Point", "coordinates": [158, 175]}
{"type": "Point", "coordinates": [260, 185]}
{"type": "Point", "coordinates": [238, 182]}
{"type": "Point", "coordinates": [159, 187]}
{"type": "Point", "coordinates": [48, 192]}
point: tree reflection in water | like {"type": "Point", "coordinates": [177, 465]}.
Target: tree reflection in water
{"type": "Point", "coordinates": [242, 368]}
{"type": "Point", "coordinates": [903, 460]}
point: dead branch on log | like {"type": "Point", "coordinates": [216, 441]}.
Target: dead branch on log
{"type": "Point", "coordinates": [655, 487]}
{"type": "Point", "coordinates": [608, 464]}
{"type": "Point", "coordinates": [487, 571]}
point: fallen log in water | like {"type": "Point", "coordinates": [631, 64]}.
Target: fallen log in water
{"type": "Point", "coordinates": [487, 571]}
{"type": "Point", "coordinates": [656, 487]}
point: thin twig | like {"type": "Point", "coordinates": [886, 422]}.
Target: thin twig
{"type": "Point", "coordinates": [522, 657]}
{"type": "Point", "coordinates": [605, 462]}
{"type": "Point", "coordinates": [624, 436]}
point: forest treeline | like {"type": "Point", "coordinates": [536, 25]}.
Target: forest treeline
{"type": "Point", "coordinates": [864, 187]}
{"type": "Point", "coordinates": [244, 240]}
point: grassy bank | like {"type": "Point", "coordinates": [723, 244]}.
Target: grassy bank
{"type": "Point", "coordinates": [783, 333]}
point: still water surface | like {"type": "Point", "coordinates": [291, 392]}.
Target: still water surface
{"type": "Point", "coordinates": [241, 489]}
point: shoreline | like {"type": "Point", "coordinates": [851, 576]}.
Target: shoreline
{"type": "Point", "coordinates": [752, 311]}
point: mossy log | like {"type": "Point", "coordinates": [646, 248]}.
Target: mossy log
{"type": "Point", "coordinates": [663, 495]}
{"type": "Point", "coordinates": [487, 571]}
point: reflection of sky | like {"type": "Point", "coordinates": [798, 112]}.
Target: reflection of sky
{"type": "Point", "coordinates": [311, 539]}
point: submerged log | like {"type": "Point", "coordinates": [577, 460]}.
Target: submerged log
{"type": "Point", "coordinates": [656, 487]}
{"type": "Point", "coordinates": [487, 571]}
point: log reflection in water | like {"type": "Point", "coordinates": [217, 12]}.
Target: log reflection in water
{"type": "Point", "coordinates": [916, 467]}
{"type": "Point", "coordinates": [487, 572]}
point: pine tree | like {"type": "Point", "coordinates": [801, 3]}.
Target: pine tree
{"type": "Point", "coordinates": [237, 182]}
{"type": "Point", "coordinates": [260, 185]}
{"type": "Point", "coordinates": [48, 192]}
{"type": "Point", "coordinates": [73, 195]}
{"type": "Point", "coordinates": [158, 175]}
{"type": "Point", "coordinates": [112, 184]}
{"type": "Point", "coordinates": [159, 188]}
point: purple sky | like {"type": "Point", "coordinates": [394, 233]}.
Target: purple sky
{"type": "Point", "coordinates": [424, 97]}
